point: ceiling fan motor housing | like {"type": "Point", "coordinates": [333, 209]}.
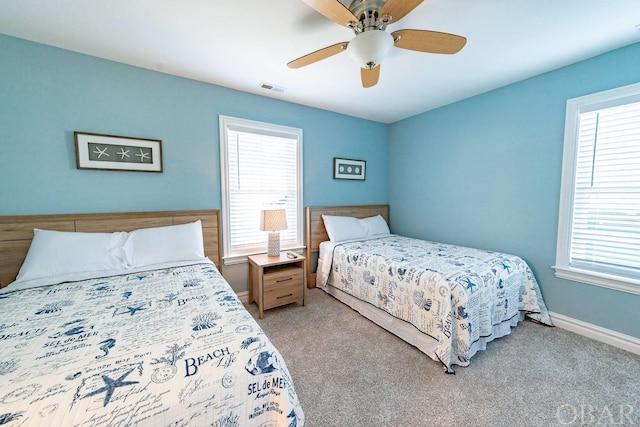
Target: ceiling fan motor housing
{"type": "Point", "coordinates": [368, 14]}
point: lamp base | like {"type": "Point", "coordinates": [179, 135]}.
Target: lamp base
{"type": "Point", "coordinates": [274, 244]}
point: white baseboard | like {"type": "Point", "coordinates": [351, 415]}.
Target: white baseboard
{"type": "Point", "coordinates": [607, 336]}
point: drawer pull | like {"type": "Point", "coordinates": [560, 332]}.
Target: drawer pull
{"type": "Point", "coordinates": [284, 296]}
{"type": "Point", "coordinates": [284, 280]}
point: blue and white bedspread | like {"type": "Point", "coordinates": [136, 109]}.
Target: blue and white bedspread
{"type": "Point", "coordinates": [455, 295]}
{"type": "Point", "coordinates": [168, 347]}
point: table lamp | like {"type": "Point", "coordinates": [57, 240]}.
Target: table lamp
{"type": "Point", "coordinates": [273, 220]}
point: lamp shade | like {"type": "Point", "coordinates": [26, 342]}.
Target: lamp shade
{"type": "Point", "coordinates": [368, 49]}
{"type": "Point", "coordinates": [273, 220]}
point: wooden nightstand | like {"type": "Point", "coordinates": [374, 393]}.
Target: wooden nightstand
{"type": "Point", "coordinates": [276, 281]}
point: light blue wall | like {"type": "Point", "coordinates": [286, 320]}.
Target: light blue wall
{"type": "Point", "coordinates": [47, 93]}
{"type": "Point", "coordinates": [485, 172]}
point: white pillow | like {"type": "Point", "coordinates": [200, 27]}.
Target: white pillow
{"type": "Point", "coordinates": [375, 226]}
{"type": "Point", "coordinates": [148, 246]}
{"type": "Point", "coordinates": [341, 228]}
{"type": "Point", "coordinates": [55, 253]}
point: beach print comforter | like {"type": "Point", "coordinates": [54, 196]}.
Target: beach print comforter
{"type": "Point", "coordinates": [451, 293]}
{"type": "Point", "coordinates": [168, 347]}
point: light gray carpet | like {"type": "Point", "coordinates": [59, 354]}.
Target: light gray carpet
{"type": "Point", "coordinates": [350, 372]}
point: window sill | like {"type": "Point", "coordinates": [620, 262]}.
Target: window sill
{"type": "Point", "coordinates": [599, 279]}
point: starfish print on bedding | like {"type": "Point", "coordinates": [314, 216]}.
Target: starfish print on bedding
{"type": "Point", "coordinates": [470, 284]}
{"type": "Point", "coordinates": [134, 310]}
{"type": "Point", "coordinates": [110, 386]}
{"type": "Point", "coordinates": [102, 152]}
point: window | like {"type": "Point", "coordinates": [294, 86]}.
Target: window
{"type": "Point", "coordinates": [261, 166]}
{"type": "Point", "coordinates": [599, 222]}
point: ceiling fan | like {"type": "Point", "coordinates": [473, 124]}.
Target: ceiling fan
{"type": "Point", "coordinates": [369, 19]}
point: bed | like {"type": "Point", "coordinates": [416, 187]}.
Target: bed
{"type": "Point", "coordinates": [448, 301]}
{"type": "Point", "coordinates": [124, 319]}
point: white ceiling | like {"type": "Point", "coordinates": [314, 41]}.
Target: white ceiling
{"type": "Point", "coordinates": [240, 44]}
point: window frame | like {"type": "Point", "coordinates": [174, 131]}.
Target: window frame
{"type": "Point", "coordinates": [563, 268]}
{"type": "Point", "coordinates": [230, 256]}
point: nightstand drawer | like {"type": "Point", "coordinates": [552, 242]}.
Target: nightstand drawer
{"type": "Point", "coordinates": [282, 276]}
{"type": "Point", "coordinates": [283, 287]}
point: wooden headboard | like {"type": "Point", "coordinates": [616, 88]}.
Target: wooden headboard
{"type": "Point", "coordinates": [316, 233]}
{"type": "Point", "coordinates": [16, 232]}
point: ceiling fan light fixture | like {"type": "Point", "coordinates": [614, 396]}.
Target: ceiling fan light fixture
{"type": "Point", "coordinates": [369, 48]}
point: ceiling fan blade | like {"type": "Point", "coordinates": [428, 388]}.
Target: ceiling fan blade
{"type": "Point", "coordinates": [369, 76]}
{"type": "Point", "coordinates": [318, 55]}
{"type": "Point", "coordinates": [428, 41]}
{"type": "Point", "coordinates": [398, 9]}
{"type": "Point", "coordinates": [333, 10]}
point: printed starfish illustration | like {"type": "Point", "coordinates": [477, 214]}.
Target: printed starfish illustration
{"type": "Point", "coordinates": [102, 152]}
{"type": "Point", "coordinates": [110, 386]}
{"type": "Point", "coordinates": [134, 310]}
{"type": "Point", "coordinates": [123, 153]}
{"type": "Point", "coordinates": [142, 155]}
{"type": "Point", "coordinates": [470, 284]}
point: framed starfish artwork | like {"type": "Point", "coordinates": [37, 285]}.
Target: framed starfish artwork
{"type": "Point", "coordinates": [121, 153]}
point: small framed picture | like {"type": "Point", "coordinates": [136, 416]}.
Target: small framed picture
{"type": "Point", "coordinates": [121, 153]}
{"type": "Point", "coordinates": [349, 169]}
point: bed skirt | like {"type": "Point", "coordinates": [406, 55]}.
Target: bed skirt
{"type": "Point", "coordinates": [409, 333]}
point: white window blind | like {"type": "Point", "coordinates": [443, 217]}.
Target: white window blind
{"type": "Point", "coordinates": [261, 166]}
{"type": "Point", "coordinates": [606, 210]}
{"type": "Point", "coordinates": [599, 225]}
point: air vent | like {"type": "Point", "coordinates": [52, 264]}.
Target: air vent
{"type": "Point", "coordinates": [269, 86]}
